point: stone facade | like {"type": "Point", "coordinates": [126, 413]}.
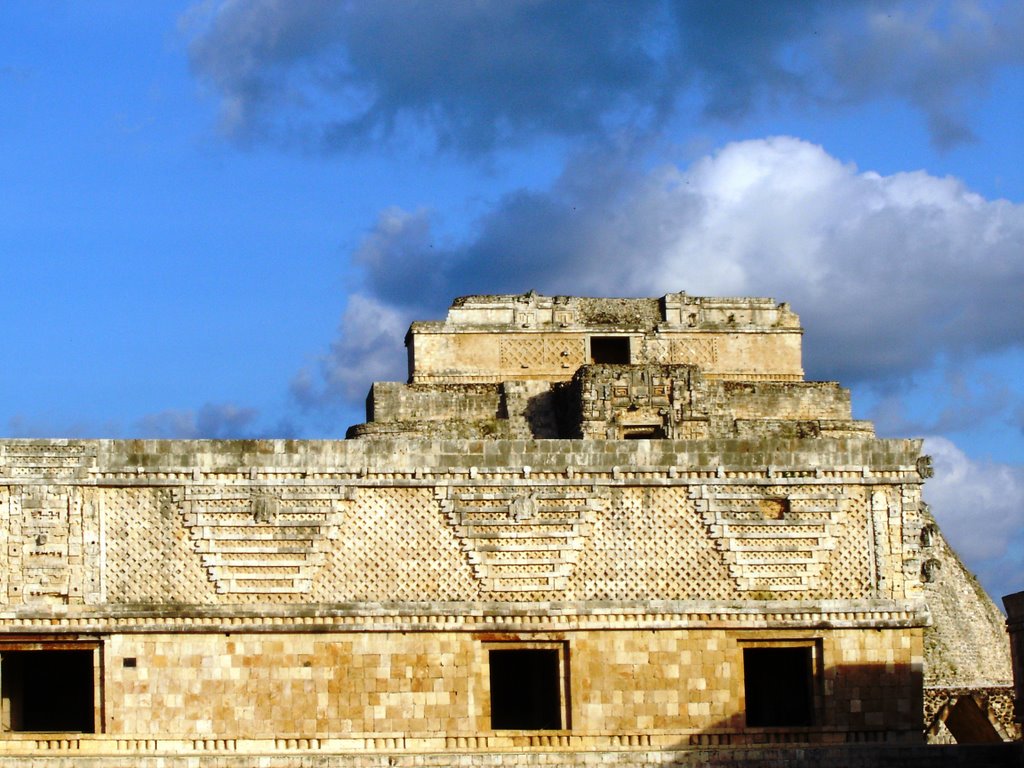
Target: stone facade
{"type": "Point", "coordinates": [968, 676]}
{"type": "Point", "coordinates": [583, 527]}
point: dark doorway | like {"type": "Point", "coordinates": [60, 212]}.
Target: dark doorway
{"type": "Point", "coordinates": [525, 690]}
{"type": "Point", "coordinates": [643, 433]}
{"type": "Point", "coordinates": [611, 350]}
{"type": "Point", "coordinates": [778, 683]}
{"type": "Point", "coordinates": [47, 690]}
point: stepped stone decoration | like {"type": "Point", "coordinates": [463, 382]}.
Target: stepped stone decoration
{"type": "Point", "coordinates": [522, 539]}
{"type": "Point", "coordinates": [774, 539]}
{"type": "Point", "coordinates": [582, 532]}
{"type": "Point", "coordinates": [262, 541]}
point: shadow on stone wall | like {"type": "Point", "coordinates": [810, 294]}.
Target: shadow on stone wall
{"type": "Point", "coordinates": [872, 717]}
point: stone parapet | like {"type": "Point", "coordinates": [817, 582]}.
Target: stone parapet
{"type": "Point", "coordinates": [100, 461]}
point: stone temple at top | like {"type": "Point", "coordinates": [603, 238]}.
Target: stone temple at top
{"type": "Point", "coordinates": [678, 367]}
{"type": "Point", "coordinates": [583, 532]}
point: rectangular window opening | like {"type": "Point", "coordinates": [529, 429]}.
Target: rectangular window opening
{"type": "Point", "coordinates": [643, 433]}
{"type": "Point", "coordinates": [47, 690]}
{"type": "Point", "coordinates": [526, 689]}
{"type": "Point", "coordinates": [778, 684]}
{"type": "Point", "coordinates": [609, 350]}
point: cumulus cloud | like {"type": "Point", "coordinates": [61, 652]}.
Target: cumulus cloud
{"type": "Point", "coordinates": [211, 421]}
{"type": "Point", "coordinates": [887, 272]}
{"type": "Point", "coordinates": [480, 74]}
{"type": "Point", "coordinates": [980, 507]}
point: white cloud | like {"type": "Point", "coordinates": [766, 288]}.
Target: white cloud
{"type": "Point", "coordinates": [885, 270]}
{"type": "Point", "coordinates": [368, 349]}
{"type": "Point", "coordinates": [980, 508]}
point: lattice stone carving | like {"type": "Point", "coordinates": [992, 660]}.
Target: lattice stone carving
{"type": "Point", "coordinates": [696, 350]}
{"type": "Point", "coordinates": [50, 460]}
{"type": "Point", "coordinates": [150, 557]}
{"type": "Point", "coordinates": [522, 539]}
{"type": "Point", "coordinates": [774, 539]}
{"type": "Point", "coordinates": [651, 544]}
{"type": "Point", "coordinates": [262, 540]}
{"type": "Point", "coordinates": [395, 544]}
{"type": "Point", "coordinates": [540, 352]}
{"type": "Point", "coordinates": [848, 574]}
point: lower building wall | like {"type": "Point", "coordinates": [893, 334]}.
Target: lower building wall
{"type": "Point", "coordinates": [672, 686]}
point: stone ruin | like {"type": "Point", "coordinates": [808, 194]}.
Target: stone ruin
{"type": "Point", "coordinates": [584, 532]}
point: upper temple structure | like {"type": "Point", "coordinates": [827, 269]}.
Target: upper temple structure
{"type": "Point", "coordinates": [585, 532]}
{"type": "Point", "coordinates": [679, 367]}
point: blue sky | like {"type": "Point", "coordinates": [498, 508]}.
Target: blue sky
{"type": "Point", "coordinates": [218, 218]}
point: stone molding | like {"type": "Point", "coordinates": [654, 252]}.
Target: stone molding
{"type": "Point", "coordinates": [524, 617]}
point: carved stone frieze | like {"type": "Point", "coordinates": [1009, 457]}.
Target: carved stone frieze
{"type": "Point", "coordinates": [542, 353]}
{"type": "Point", "coordinates": [521, 539]}
{"type": "Point", "coordinates": [774, 539]}
{"type": "Point", "coordinates": [50, 546]}
{"type": "Point", "coordinates": [260, 540]}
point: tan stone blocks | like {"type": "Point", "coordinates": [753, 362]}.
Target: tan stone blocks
{"type": "Point", "coordinates": [423, 684]}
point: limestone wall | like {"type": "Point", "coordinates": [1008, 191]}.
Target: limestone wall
{"type": "Point", "coordinates": [425, 686]}
{"type": "Point", "coordinates": [967, 644]}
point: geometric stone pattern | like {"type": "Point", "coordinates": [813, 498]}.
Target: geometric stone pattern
{"type": "Point", "coordinates": [150, 558]}
{"type": "Point", "coordinates": [774, 538]}
{"type": "Point", "coordinates": [52, 460]}
{"type": "Point", "coordinates": [696, 350]}
{"type": "Point", "coordinates": [542, 352]}
{"type": "Point", "coordinates": [50, 544]}
{"type": "Point", "coordinates": [561, 539]}
{"type": "Point", "coordinates": [261, 540]}
{"type": "Point", "coordinates": [521, 539]}
{"type": "Point", "coordinates": [393, 544]}
{"type": "Point", "coordinates": [650, 542]}
{"type": "Point", "coordinates": [848, 574]}
{"type": "Point", "coordinates": [206, 544]}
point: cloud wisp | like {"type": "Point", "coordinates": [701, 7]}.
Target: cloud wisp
{"type": "Point", "coordinates": [214, 421]}
{"type": "Point", "coordinates": [481, 75]}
